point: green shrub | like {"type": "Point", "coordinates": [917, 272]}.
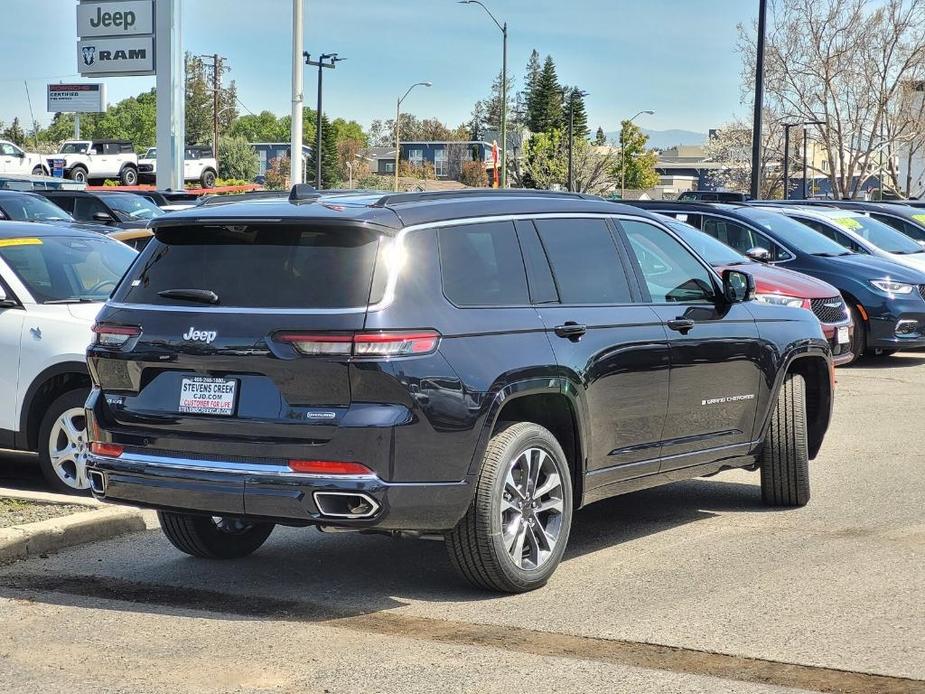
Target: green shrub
{"type": "Point", "coordinates": [237, 159]}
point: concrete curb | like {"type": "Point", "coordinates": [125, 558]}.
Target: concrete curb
{"type": "Point", "coordinates": [51, 498]}
{"type": "Point", "coordinates": [31, 539]}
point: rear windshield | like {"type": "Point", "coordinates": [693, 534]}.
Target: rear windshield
{"type": "Point", "coordinates": [257, 266]}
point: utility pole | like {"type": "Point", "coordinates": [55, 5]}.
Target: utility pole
{"type": "Point", "coordinates": [216, 69]}
{"type": "Point", "coordinates": [787, 127]}
{"type": "Point", "coordinates": [759, 100]}
{"type": "Point", "coordinates": [325, 60]}
{"type": "Point", "coordinates": [295, 132]}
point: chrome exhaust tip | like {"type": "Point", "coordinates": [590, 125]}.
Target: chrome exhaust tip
{"type": "Point", "coordinates": [351, 505]}
{"type": "Point", "coordinates": [97, 482]}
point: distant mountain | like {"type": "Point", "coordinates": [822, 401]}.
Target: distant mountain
{"type": "Point", "coordinates": [663, 139]}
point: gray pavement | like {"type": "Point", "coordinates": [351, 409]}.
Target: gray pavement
{"type": "Point", "coordinates": [825, 598]}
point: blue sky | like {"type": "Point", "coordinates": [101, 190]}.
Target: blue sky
{"type": "Point", "coordinates": [673, 56]}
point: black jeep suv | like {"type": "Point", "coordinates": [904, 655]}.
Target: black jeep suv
{"type": "Point", "coordinates": [475, 365]}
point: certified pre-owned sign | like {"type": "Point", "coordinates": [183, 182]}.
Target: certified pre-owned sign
{"type": "Point", "coordinates": [125, 18]}
{"type": "Point", "coordinates": [116, 56]}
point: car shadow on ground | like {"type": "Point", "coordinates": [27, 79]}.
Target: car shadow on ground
{"type": "Point", "coordinates": [21, 471]}
{"type": "Point", "coordinates": [897, 361]}
{"type": "Point", "coordinates": [303, 575]}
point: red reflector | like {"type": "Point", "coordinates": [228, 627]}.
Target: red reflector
{"type": "Point", "coordinates": [374, 344]}
{"type": "Point", "coordinates": [397, 343]}
{"type": "Point", "coordinates": [328, 467]}
{"type": "Point", "coordinates": [107, 450]}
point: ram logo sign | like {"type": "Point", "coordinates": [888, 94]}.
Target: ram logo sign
{"type": "Point", "coordinates": [131, 55]}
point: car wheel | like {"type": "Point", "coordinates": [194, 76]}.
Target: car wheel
{"type": "Point", "coordinates": [207, 180]}
{"type": "Point", "coordinates": [785, 456]}
{"type": "Point", "coordinates": [213, 537]}
{"type": "Point", "coordinates": [859, 336]}
{"type": "Point", "coordinates": [38, 171]}
{"type": "Point", "coordinates": [78, 173]}
{"type": "Point", "coordinates": [63, 444]}
{"type": "Point", "coordinates": [514, 533]}
{"type": "Point", "coordinates": [128, 177]}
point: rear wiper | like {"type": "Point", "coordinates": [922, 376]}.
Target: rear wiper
{"type": "Point", "coordinates": [203, 296]}
{"type": "Point", "coordinates": [74, 300]}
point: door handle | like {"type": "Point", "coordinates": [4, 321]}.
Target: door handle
{"type": "Point", "coordinates": [571, 330]}
{"type": "Point", "coordinates": [682, 325]}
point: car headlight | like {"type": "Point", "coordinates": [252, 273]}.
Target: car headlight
{"type": "Point", "coordinates": [891, 287]}
{"type": "Point", "coordinates": [780, 300]}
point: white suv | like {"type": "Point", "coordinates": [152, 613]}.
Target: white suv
{"type": "Point", "coordinates": [198, 165]}
{"type": "Point", "coordinates": [87, 160]}
{"type": "Point", "coordinates": [53, 281]}
{"type": "Point", "coordinates": [15, 160]}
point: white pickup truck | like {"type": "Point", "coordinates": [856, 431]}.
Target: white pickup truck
{"type": "Point", "coordinates": [198, 165]}
{"type": "Point", "coordinates": [88, 160]}
{"type": "Point", "coordinates": [15, 160]}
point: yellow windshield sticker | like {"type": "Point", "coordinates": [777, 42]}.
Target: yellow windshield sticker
{"type": "Point", "coordinates": [848, 223]}
{"type": "Point", "coordinates": [919, 217]}
{"type": "Point", "coordinates": [5, 243]}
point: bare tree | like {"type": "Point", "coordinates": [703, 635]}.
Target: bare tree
{"type": "Point", "coordinates": [730, 146]}
{"type": "Point", "coordinates": [841, 62]}
{"type": "Point", "coordinates": [905, 133]}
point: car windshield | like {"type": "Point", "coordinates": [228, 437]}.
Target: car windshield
{"type": "Point", "coordinates": [713, 251]}
{"type": "Point", "coordinates": [74, 148]}
{"type": "Point", "coordinates": [67, 269]}
{"type": "Point", "coordinates": [884, 237]}
{"type": "Point", "coordinates": [151, 153]}
{"type": "Point", "coordinates": [131, 207]}
{"type": "Point", "coordinates": [793, 234]}
{"type": "Point", "coordinates": [32, 208]}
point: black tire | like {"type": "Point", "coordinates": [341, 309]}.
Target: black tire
{"type": "Point", "coordinates": [476, 545]}
{"type": "Point", "coordinates": [859, 336]}
{"type": "Point", "coordinates": [207, 179]}
{"type": "Point", "coordinates": [63, 478]}
{"type": "Point", "coordinates": [883, 353]}
{"type": "Point", "coordinates": [78, 173]}
{"type": "Point", "coordinates": [38, 171]}
{"type": "Point", "coordinates": [210, 538]}
{"type": "Point", "coordinates": [128, 176]}
{"type": "Point", "coordinates": [785, 456]}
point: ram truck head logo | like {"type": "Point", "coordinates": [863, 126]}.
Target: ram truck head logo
{"type": "Point", "coordinates": [89, 53]}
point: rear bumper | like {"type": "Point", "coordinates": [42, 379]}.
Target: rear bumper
{"type": "Point", "coordinates": [269, 492]}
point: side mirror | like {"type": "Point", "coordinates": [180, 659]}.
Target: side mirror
{"type": "Point", "coordinates": [759, 254]}
{"type": "Point", "coordinates": [738, 286]}
{"type": "Point", "coordinates": [103, 217]}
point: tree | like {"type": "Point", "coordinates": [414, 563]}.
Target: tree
{"type": "Point", "coordinates": [15, 133]}
{"type": "Point", "coordinates": [133, 119]}
{"type": "Point", "coordinates": [546, 161]}
{"type": "Point", "coordinates": [199, 104]}
{"type": "Point", "coordinates": [237, 159]}
{"type": "Point", "coordinates": [572, 99]}
{"type": "Point", "coordinates": [525, 96]}
{"type": "Point", "coordinates": [61, 128]}
{"type": "Point", "coordinates": [473, 174]}
{"type": "Point", "coordinates": [592, 170]}
{"type": "Point", "coordinates": [639, 163]}
{"type": "Point", "coordinates": [544, 110]}
{"type": "Point", "coordinates": [841, 62]}
{"type": "Point", "coordinates": [599, 138]}
{"type": "Point", "coordinates": [731, 147]}
{"type": "Point", "coordinates": [905, 134]}
{"type": "Point", "coordinates": [263, 127]}
{"type": "Point", "coordinates": [330, 175]}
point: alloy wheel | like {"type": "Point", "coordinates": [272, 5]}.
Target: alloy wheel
{"type": "Point", "coordinates": [67, 448]}
{"type": "Point", "coordinates": [531, 508]}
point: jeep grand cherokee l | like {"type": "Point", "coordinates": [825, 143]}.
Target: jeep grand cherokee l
{"type": "Point", "coordinates": [476, 365]}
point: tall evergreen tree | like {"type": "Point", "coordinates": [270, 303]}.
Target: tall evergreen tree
{"type": "Point", "coordinates": [599, 137]}
{"type": "Point", "coordinates": [15, 133]}
{"type": "Point", "coordinates": [545, 107]}
{"type": "Point", "coordinates": [571, 98]}
{"type": "Point", "coordinates": [525, 102]}
{"type": "Point", "coordinates": [329, 157]}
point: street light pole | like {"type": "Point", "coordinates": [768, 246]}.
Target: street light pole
{"type": "Point", "coordinates": [295, 131]}
{"type": "Point", "coordinates": [325, 60]}
{"type": "Point", "coordinates": [787, 127]}
{"type": "Point", "coordinates": [623, 150]}
{"type": "Point", "coordinates": [804, 124]}
{"type": "Point", "coordinates": [398, 125]}
{"type": "Point", "coordinates": [759, 100]}
{"type": "Point", "coordinates": [503, 27]}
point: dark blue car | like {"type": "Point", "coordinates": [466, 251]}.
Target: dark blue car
{"type": "Point", "coordinates": [886, 300]}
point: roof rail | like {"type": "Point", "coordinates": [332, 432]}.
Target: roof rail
{"type": "Point", "coordinates": [424, 196]}
{"type": "Point", "coordinates": [303, 191]}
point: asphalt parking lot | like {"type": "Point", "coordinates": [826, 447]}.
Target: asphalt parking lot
{"type": "Point", "coordinates": [689, 588]}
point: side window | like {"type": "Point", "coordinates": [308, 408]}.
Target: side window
{"type": "Point", "coordinates": [824, 229]}
{"type": "Point", "coordinates": [86, 207]}
{"type": "Point", "coordinates": [539, 276]}
{"type": "Point", "coordinates": [585, 262]}
{"type": "Point", "coordinates": [7, 150]}
{"type": "Point", "coordinates": [482, 265]}
{"type": "Point", "coordinates": [65, 202]}
{"type": "Point", "coordinates": [671, 272]}
{"type": "Point", "coordinates": [741, 238]}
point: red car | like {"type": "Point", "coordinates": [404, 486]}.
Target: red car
{"type": "Point", "coordinates": [776, 285]}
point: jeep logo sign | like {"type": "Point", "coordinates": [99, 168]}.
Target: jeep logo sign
{"type": "Point", "coordinates": [125, 18]}
{"type": "Point", "coordinates": [116, 56]}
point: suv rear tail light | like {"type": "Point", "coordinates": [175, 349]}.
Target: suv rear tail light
{"type": "Point", "coordinates": [107, 450]}
{"type": "Point", "coordinates": [373, 344]}
{"type": "Point", "coordinates": [114, 335]}
{"type": "Point", "coordinates": [328, 467]}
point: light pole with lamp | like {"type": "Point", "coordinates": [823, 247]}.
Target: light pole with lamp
{"type": "Point", "coordinates": [503, 28]}
{"type": "Point", "coordinates": [805, 123]}
{"type": "Point", "coordinates": [397, 124]}
{"type": "Point", "coordinates": [325, 60]}
{"type": "Point", "coordinates": [623, 150]}
{"type": "Point", "coordinates": [576, 93]}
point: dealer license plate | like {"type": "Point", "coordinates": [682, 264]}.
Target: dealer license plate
{"type": "Point", "coordinates": [842, 337]}
{"type": "Point", "coordinates": [215, 396]}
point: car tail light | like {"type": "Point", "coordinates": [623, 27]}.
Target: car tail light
{"type": "Point", "coordinates": [107, 450]}
{"type": "Point", "coordinates": [114, 335]}
{"type": "Point", "coordinates": [372, 344]}
{"type": "Point", "coordinates": [328, 467]}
